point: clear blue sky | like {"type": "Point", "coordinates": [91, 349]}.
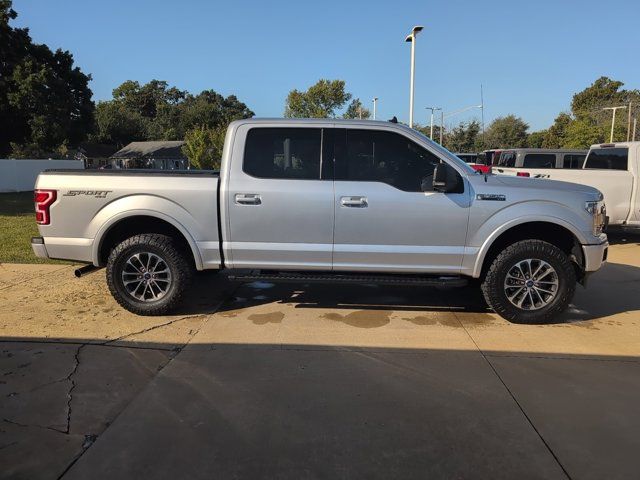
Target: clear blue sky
{"type": "Point", "coordinates": [530, 56]}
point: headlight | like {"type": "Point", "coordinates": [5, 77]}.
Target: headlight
{"type": "Point", "coordinates": [599, 213]}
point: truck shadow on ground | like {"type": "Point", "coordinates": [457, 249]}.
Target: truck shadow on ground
{"type": "Point", "coordinates": [611, 291]}
{"type": "Point", "coordinates": [623, 237]}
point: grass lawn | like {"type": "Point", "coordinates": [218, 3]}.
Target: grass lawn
{"type": "Point", "coordinates": [17, 226]}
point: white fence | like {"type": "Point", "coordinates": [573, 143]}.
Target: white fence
{"type": "Point", "coordinates": [20, 175]}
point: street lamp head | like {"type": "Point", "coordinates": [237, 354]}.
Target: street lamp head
{"type": "Point", "coordinates": [414, 31]}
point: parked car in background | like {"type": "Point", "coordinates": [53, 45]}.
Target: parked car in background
{"type": "Point", "coordinates": [486, 157]}
{"type": "Point", "coordinates": [302, 200]}
{"type": "Point", "coordinates": [538, 158]}
{"type": "Point", "coordinates": [471, 159]}
{"type": "Point", "coordinates": [612, 168]}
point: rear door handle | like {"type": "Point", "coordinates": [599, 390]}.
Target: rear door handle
{"type": "Point", "coordinates": [248, 199]}
{"type": "Point", "coordinates": [355, 202]}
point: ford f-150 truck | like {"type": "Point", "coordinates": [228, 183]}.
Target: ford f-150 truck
{"type": "Point", "coordinates": [612, 168]}
{"type": "Point", "coordinates": [327, 200]}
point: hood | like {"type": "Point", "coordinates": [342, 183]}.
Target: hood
{"type": "Point", "coordinates": [553, 185]}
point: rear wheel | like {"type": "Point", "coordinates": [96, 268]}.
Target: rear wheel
{"type": "Point", "coordinates": [148, 274]}
{"type": "Point", "coordinates": [531, 281]}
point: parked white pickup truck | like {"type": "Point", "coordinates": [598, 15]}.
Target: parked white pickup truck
{"type": "Point", "coordinates": [612, 168]}
{"type": "Point", "coordinates": [327, 200]}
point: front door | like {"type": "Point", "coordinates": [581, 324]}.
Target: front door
{"type": "Point", "coordinates": [280, 207]}
{"type": "Point", "coordinates": [384, 221]}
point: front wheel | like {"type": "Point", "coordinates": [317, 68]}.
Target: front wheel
{"type": "Point", "coordinates": [531, 281]}
{"type": "Point", "coordinates": [148, 274]}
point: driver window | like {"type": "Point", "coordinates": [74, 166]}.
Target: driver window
{"type": "Point", "coordinates": [375, 156]}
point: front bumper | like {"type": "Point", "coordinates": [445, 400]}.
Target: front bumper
{"type": "Point", "coordinates": [40, 250]}
{"type": "Point", "coordinates": [595, 256]}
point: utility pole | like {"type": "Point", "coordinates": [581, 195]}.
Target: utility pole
{"type": "Point", "coordinates": [412, 39]}
{"type": "Point", "coordinates": [629, 121]}
{"type": "Point", "coordinates": [441, 125]}
{"type": "Point", "coordinates": [375, 101]}
{"type": "Point", "coordinates": [613, 119]}
{"type": "Point", "coordinates": [482, 113]}
{"type": "Point", "coordinates": [432, 110]}
{"type": "Point", "coordinates": [635, 121]}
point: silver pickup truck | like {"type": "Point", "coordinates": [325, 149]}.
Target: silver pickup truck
{"type": "Point", "coordinates": [329, 201]}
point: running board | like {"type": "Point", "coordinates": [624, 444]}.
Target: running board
{"type": "Point", "coordinates": [358, 278]}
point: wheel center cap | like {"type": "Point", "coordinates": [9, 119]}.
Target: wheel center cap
{"type": "Point", "coordinates": [529, 283]}
{"type": "Point", "coordinates": [147, 276]}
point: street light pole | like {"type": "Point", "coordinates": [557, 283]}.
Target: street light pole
{"type": "Point", "coordinates": [375, 101]}
{"type": "Point", "coordinates": [613, 119]}
{"type": "Point", "coordinates": [441, 125]}
{"type": "Point", "coordinates": [412, 38]}
{"type": "Point", "coordinates": [432, 110]}
{"type": "Point", "coordinates": [629, 121]}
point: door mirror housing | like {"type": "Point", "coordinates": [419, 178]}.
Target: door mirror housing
{"type": "Point", "coordinates": [446, 179]}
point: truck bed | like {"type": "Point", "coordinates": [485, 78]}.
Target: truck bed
{"type": "Point", "coordinates": [89, 202]}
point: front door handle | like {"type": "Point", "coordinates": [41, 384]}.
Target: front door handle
{"type": "Point", "coordinates": [248, 199]}
{"type": "Point", "coordinates": [354, 201]}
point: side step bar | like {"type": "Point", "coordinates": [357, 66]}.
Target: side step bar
{"type": "Point", "coordinates": [355, 278]}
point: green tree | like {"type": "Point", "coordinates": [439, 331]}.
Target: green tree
{"type": "Point", "coordinates": [507, 132]}
{"type": "Point", "coordinates": [356, 110]}
{"type": "Point", "coordinates": [203, 146]}
{"type": "Point", "coordinates": [44, 100]}
{"type": "Point", "coordinates": [557, 133]}
{"type": "Point", "coordinates": [536, 139]}
{"type": "Point", "coordinates": [319, 101]}
{"type": "Point", "coordinates": [463, 138]}
{"type": "Point", "coordinates": [156, 111]}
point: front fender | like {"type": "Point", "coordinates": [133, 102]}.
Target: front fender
{"type": "Point", "coordinates": [481, 237]}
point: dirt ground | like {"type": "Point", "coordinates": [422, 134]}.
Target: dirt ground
{"type": "Point", "coordinates": [310, 381]}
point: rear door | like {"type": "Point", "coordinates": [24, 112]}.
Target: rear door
{"type": "Point", "coordinates": [383, 219]}
{"type": "Point", "coordinates": [280, 204]}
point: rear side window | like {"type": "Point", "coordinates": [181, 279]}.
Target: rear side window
{"type": "Point", "coordinates": [539, 160]}
{"type": "Point", "coordinates": [507, 159]}
{"type": "Point", "coordinates": [573, 161]}
{"type": "Point", "coordinates": [387, 157]}
{"type": "Point", "coordinates": [607, 159]}
{"type": "Point", "coordinates": [283, 153]}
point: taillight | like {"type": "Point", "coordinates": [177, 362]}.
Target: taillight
{"type": "Point", "coordinates": [43, 199]}
{"type": "Point", "coordinates": [523, 174]}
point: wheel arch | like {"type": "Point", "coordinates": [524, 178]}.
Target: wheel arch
{"type": "Point", "coordinates": [132, 223]}
{"type": "Point", "coordinates": [554, 231]}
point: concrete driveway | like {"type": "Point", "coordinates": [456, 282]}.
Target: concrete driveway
{"type": "Point", "coordinates": [316, 381]}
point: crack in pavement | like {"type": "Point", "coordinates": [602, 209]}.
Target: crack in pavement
{"type": "Point", "coordinates": [513, 397]}
{"type": "Point", "coordinates": [18, 424]}
{"type": "Point", "coordinates": [154, 327]}
{"type": "Point", "coordinates": [73, 386]}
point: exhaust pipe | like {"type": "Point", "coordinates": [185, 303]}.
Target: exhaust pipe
{"type": "Point", "coordinates": [84, 270]}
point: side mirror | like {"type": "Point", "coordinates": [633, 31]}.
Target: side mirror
{"type": "Point", "coordinates": [446, 179]}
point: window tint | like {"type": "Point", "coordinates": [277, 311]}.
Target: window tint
{"type": "Point", "coordinates": [283, 153]}
{"type": "Point", "coordinates": [507, 159]}
{"type": "Point", "coordinates": [573, 161]}
{"type": "Point", "coordinates": [375, 156]}
{"type": "Point", "coordinates": [607, 158]}
{"type": "Point", "coordinates": [539, 160]}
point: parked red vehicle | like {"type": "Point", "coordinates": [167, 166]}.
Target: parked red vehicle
{"type": "Point", "coordinates": [473, 160]}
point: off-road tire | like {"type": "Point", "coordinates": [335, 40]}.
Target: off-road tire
{"type": "Point", "coordinates": [493, 284]}
{"type": "Point", "coordinates": [180, 267]}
